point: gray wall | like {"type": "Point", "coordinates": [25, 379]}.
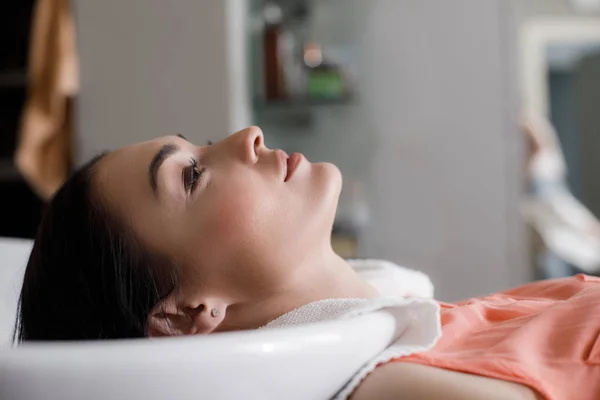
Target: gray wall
{"type": "Point", "coordinates": [525, 10]}
{"type": "Point", "coordinates": [587, 98]}
{"type": "Point", "coordinates": [151, 68]}
{"type": "Point", "coordinates": [445, 173]}
{"type": "Point", "coordinates": [536, 8]}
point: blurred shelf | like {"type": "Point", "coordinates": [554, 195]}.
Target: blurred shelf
{"type": "Point", "coordinates": [13, 79]}
{"type": "Point", "coordinates": [345, 246]}
{"type": "Point", "coordinates": [303, 102]}
{"type": "Point", "coordinates": [297, 112]}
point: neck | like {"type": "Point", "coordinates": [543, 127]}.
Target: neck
{"type": "Point", "coordinates": [329, 276]}
{"type": "Point", "coordinates": [324, 276]}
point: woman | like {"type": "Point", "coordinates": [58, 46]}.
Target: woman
{"type": "Point", "coordinates": [166, 238]}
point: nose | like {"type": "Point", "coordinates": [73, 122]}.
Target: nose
{"type": "Point", "coordinates": [250, 142]}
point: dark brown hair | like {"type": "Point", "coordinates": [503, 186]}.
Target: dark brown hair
{"type": "Point", "coordinates": [87, 276]}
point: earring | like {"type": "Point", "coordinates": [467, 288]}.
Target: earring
{"type": "Point", "coordinates": [215, 312]}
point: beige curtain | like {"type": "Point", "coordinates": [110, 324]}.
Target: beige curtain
{"type": "Point", "coordinates": [44, 151]}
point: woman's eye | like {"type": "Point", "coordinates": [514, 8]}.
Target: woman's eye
{"type": "Point", "coordinates": [191, 175]}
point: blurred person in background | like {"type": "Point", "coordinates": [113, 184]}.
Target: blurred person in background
{"type": "Point", "coordinates": [569, 233]}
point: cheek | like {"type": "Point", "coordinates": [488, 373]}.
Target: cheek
{"type": "Point", "coordinates": [254, 211]}
{"type": "Point", "coordinates": [241, 217]}
{"type": "Point", "coordinates": [240, 237]}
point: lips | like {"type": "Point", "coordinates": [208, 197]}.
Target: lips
{"type": "Point", "coordinates": [288, 164]}
{"type": "Point", "coordinates": [293, 162]}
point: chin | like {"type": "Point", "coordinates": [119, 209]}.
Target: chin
{"type": "Point", "coordinates": [330, 182]}
{"type": "Point", "coordinates": [323, 192]}
{"type": "Point", "coordinates": [331, 177]}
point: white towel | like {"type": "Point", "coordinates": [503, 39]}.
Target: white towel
{"type": "Point", "coordinates": [417, 318]}
{"type": "Point", "coordinates": [393, 280]}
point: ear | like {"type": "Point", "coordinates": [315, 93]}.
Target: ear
{"type": "Point", "coordinates": [170, 319]}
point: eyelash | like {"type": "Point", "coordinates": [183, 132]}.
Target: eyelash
{"type": "Point", "coordinates": [191, 175]}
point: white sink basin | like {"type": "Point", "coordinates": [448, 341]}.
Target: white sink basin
{"type": "Point", "coordinates": [304, 362]}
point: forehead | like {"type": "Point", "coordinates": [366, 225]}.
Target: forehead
{"type": "Point", "coordinates": [122, 178]}
{"type": "Point", "coordinates": [123, 164]}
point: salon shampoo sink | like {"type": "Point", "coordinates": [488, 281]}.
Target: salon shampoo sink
{"type": "Point", "coordinates": [305, 362]}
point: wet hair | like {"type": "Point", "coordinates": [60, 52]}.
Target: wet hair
{"type": "Point", "coordinates": [88, 277]}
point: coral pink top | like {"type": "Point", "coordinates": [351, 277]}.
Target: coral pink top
{"type": "Point", "coordinates": [543, 335]}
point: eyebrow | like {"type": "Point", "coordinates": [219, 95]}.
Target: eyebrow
{"type": "Point", "coordinates": [160, 157]}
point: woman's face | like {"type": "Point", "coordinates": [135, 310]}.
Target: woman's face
{"type": "Point", "coordinates": [236, 217]}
